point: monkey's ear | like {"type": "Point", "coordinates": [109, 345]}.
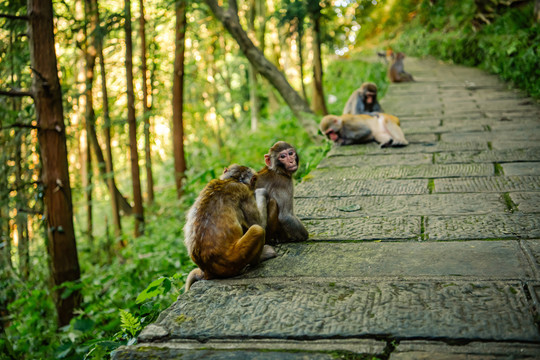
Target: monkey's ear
{"type": "Point", "coordinates": [225, 170]}
{"type": "Point", "coordinates": [267, 160]}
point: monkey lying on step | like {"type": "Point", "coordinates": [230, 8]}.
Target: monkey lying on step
{"type": "Point", "coordinates": [349, 129]}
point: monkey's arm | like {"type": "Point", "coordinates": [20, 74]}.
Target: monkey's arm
{"type": "Point", "coordinates": [354, 132]}
{"type": "Point", "coordinates": [261, 198]}
{"type": "Point", "coordinates": [360, 106]}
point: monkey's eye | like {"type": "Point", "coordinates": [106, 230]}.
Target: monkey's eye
{"type": "Point", "coordinates": [291, 153]}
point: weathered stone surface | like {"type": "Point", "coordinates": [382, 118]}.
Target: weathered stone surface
{"type": "Point", "coordinates": [376, 160]}
{"type": "Point", "coordinates": [526, 202]}
{"type": "Point", "coordinates": [325, 309]}
{"type": "Point", "coordinates": [365, 228]}
{"type": "Point", "coordinates": [532, 248]}
{"type": "Point", "coordinates": [422, 146]}
{"type": "Point", "coordinates": [490, 136]}
{"type": "Point", "coordinates": [406, 171]}
{"type": "Point", "coordinates": [424, 350]}
{"type": "Point", "coordinates": [342, 188]}
{"type": "Point", "coordinates": [434, 204]}
{"type": "Point", "coordinates": [495, 226]}
{"type": "Point", "coordinates": [486, 260]}
{"type": "Point", "coordinates": [528, 168]}
{"type": "Point", "coordinates": [531, 154]}
{"type": "Point", "coordinates": [487, 184]}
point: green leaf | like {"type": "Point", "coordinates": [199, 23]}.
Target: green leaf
{"type": "Point", "coordinates": [156, 287]}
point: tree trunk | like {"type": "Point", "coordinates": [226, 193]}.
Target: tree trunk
{"type": "Point", "coordinates": [318, 102]}
{"type": "Point", "coordinates": [252, 73]}
{"type": "Point", "coordinates": [300, 47]}
{"type": "Point", "coordinates": [146, 110]}
{"type": "Point", "coordinates": [537, 11]}
{"type": "Point", "coordinates": [299, 106]}
{"type": "Point", "coordinates": [21, 219]}
{"type": "Point", "coordinates": [90, 7]}
{"type": "Point", "coordinates": [109, 169]}
{"type": "Point", "coordinates": [61, 244]}
{"type": "Point", "coordinates": [132, 122]}
{"type": "Point", "coordinates": [178, 97]}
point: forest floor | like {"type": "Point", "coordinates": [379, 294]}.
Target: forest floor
{"type": "Point", "coordinates": [429, 251]}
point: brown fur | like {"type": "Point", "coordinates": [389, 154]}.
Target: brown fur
{"type": "Point", "coordinates": [283, 225]}
{"type": "Point", "coordinates": [224, 229]}
{"type": "Point", "coordinates": [396, 72]}
{"type": "Point", "coordinates": [360, 129]}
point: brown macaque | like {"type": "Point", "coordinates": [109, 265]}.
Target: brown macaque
{"type": "Point", "coordinates": [360, 129]}
{"type": "Point", "coordinates": [363, 100]}
{"type": "Point", "coordinates": [396, 72]}
{"type": "Point", "coordinates": [225, 227]}
{"type": "Point", "coordinates": [276, 177]}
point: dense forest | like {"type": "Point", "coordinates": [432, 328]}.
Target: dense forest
{"type": "Point", "coordinates": [115, 114]}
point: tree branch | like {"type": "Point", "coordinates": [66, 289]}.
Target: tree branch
{"type": "Point", "coordinates": [16, 93]}
{"type": "Point", "coordinates": [14, 17]}
{"type": "Point", "coordinates": [19, 125]}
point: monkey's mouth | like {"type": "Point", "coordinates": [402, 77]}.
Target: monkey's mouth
{"type": "Point", "coordinates": [292, 167]}
{"type": "Point", "coordinates": [332, 135]}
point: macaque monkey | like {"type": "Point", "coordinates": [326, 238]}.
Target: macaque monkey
{"type": "Point", "coordinates": [396, 72]}
{"type": "Point", "coordinates": [225, 227]}
{"type": "Point", "coordinates": [363, 100]}
{"type": "Point", "coordinates": [360, 129]}
{"type": "Point", "coordinates": [276, 177]}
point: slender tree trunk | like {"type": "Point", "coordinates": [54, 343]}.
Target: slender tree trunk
{"type": "Point", "coordinates": [252, 73]}
{"type": "Point", "coordinates": [178, 97]}
{"type": "Point", "coordinates": [111, 184]}
{"type": "Point", "coordinates": [21, 219]}
{"type": "Point", "coordinates": [61, 242]}
{"type": "Point", "coordinates": [300, 48]}
{"type": "Point", "coordinates": [318, 103]}
{"type": "Point", "coordinates": [300, 108]}
{"type": "Point", "coordinates": [132, 122]}
{"type": "Point", "coordinates": [90, 7]}
{"type": "Point", "coordinates": [146, 109]}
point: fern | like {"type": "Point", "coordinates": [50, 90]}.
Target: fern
{"type": "Point", "coordinates": [129, 323]}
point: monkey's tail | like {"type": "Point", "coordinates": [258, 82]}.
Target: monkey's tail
{"type": "Point", "coordinates": [195, 275]}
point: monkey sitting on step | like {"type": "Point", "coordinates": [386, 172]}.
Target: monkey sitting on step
{"type": "Point", "coordinates": [225, 227]}
{"type": "Point", "coordinates": [363, 100]}
{"type": "Point", "coordinates": [360, 129]}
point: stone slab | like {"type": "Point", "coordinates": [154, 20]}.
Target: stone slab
{"type": "Point", "coordinates": [366, 228]}
{"type": "Point", "coordinates": [494, 226]}
{"type": "Point", "coordinates": [527, 168]}
{"type": "Point", "coordinates": [377, 160]}
{"type": "Point", "coordinates": [491, 136]}
{"type": "Point", "coordinates": [427, 146]}
{"type": "Point", "coordinates": [487, 311]}
{"type": "Point", "coordinates": [429, 350]}
{"type": "Point", "coordinates": [322, 188]}
{"type": "Point", "coordinates": [487, 184]}
{"type": "Point", "coordinates": [532, 247]}
{"type": "Point", "coordinates": [490, 156]}
{"type": "Point", "coordinates": [475, 260]}
{"type": "Point", "coordinates": [503, 144]}
{"type": "Point", "coordinates": [434, 204]}
{"type": "Point", "coordinates": [406, 172]}
{"type": "Point", "coordinates": [526, 202]}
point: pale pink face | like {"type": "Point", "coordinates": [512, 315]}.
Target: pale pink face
{"type": "Point", "coordinates": [288, 159]}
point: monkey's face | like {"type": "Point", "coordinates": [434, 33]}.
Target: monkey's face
{"type": "Point", "coordinates": [288, 159]}
{"type": "Point", "coordinates": [370, 97]}
{"type": "Point", "coordinates": [330, 126]}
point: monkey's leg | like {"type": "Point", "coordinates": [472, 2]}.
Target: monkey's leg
{"type": "Point", "coordinates": [381, 133]}
{"type": "Point", "coordinates": [396, 133]}
{"type": "Point", "coordinates": [247, 250]}
{"type": "Point", "coordinates": [293, 228]}
{"type": "Point", "coordinates": [195, 275]}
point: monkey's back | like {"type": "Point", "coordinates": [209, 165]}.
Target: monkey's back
{"type": "Point", "coordinates": [214, 220]}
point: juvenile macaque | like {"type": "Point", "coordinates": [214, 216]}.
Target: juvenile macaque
{"type": "Point", "coordinates": [276, 177]}
{"type": "Point", "coordinates": [396, 72]}
{"type": "Point", "coordinates": [360, 129]}
{"type": "Point", "coordinates": [225, 227]}
{"type": "Point", "coordinates": [363, 100]}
